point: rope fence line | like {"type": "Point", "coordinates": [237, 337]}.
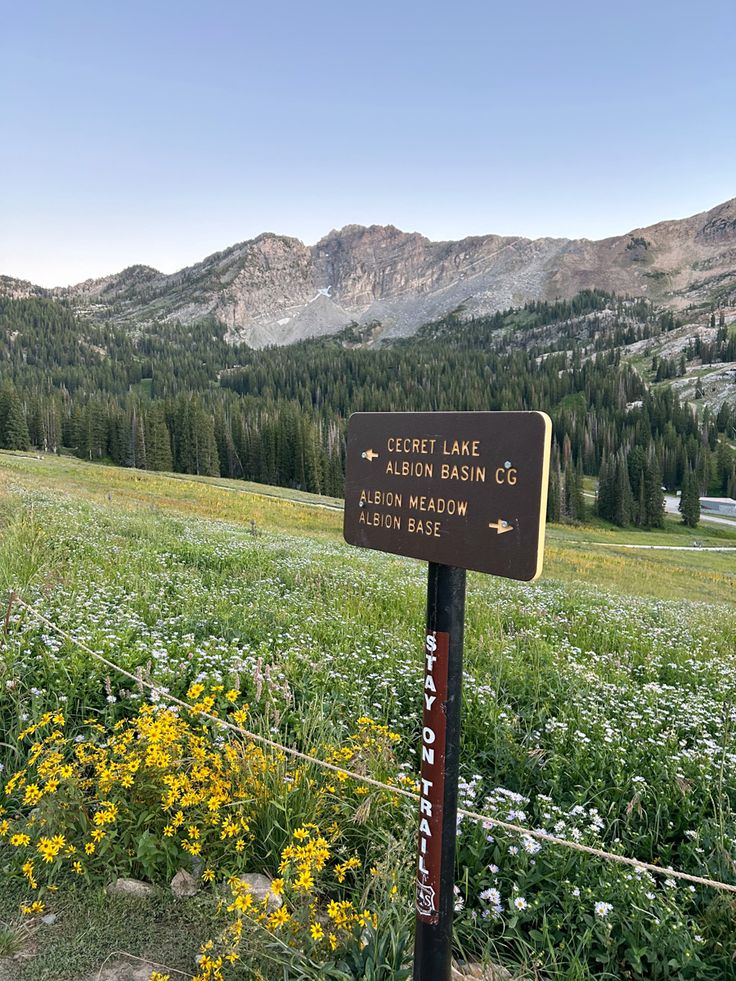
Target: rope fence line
{"type": "Point", "coordinates": [485, 820]}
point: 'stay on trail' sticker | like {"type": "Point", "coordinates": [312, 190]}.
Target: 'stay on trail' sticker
{"type": "Point", "coordinates": [431, 817]}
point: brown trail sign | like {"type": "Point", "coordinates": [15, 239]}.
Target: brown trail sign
{"type": "Point", "coordinates": [467, 489]}
{"type": "Point", "coordinates": [462, 490]}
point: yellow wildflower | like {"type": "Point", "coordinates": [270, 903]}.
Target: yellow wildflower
{"type": "Point", "coordinates": [304, 881]}
{"type": "Point", "coordinates": [278, 918]}
{"type": "Point", "coordinates": [28, 873]}
{"type": "Point", "coordinates": [32, 794]}
{"type": "Point", "coordinates": [49, 848]}
{"type": "Point", "coordinates": [35, 907]}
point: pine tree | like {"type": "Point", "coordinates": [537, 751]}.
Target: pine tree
{"type": "Point", "coordinates": [653, 495]}
{"type": "Point", "coordinates": [622, 503]}
{"type": "Point", "coordinates": [37, 425]}
{"type": "Point", "coordinates": [725, 458]}
{"type": "Point", "coordinates": [13, 425]}
{"type": "Point", "coordinates": [574, 505]}
{"type": "Point", "coordinates": [52, 426]}
{"type": "Point", "coordinates": [312, 458]}
{"type": "Point", "coordinates": [229, 460]}
{"type": "Point", "coordinates": [605, 495]}
{"type": "Point", "coordinates": [703, 468]}
{"type": "Point", "coordinates": [204, 458]}
{"type": "Point", "coordinates": [639, 507]}
{"type": "Point", "coordinates": [118, 436]}
{"type": "Point", "coordinates": [136, 456]}
{"type": "Point", "coordinates": [158, 441]}
{"type": "Point", "coordinates": [690, 500]}
{"type": "Point", "coordinates": [636, 464]}
{"type": "Point", "coordinates": [267, 455]}
{"type": "Point", "coordinates": [554, 493]}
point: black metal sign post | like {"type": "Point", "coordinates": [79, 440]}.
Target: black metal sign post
{"type": "Point", "coordinates": [462, 490]}
{"type": "Point", "coordinates": [443, 671]}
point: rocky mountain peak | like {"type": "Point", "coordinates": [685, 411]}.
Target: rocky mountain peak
{"type": "Point", "coordinates": [274, 289]}
{"type": "Point", "coordinates": [721, 224]}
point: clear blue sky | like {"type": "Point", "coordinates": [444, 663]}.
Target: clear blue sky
{"type": "Point", "coordinates": [159, 132]}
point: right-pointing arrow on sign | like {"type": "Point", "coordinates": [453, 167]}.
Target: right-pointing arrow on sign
{"type": "Point", "coordinates": [501, 526]}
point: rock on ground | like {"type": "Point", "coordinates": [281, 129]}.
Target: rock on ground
{"type": "Point", "coordinates": [131, 889]}
{"type": "Point", "coordinates": [124, 969]}
{"type": "Point", "coordinates": [481, 972]}
{"type": "Point", "coordinates": [184, 885]}
{"type": "Point", "coordinates": [260, 889]}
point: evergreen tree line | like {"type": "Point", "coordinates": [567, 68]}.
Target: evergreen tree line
{"type": "Point", "coordinates": [565, 499]}
{"type": "Point", "coordinates": [272, 443]}
{"type": "Point", "coordinates": [664, 368]}
{"type": "Point", "coordinates": [723, 348]}
{"type": "Point", "coordinates": [180, 398]}
{"type": "Point", "coordinates": [629, 489]}
{"type": "Point", "coordinates": [45, 346]}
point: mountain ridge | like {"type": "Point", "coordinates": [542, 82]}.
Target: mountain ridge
{"type": "Point", "coordinates": [274, 289]}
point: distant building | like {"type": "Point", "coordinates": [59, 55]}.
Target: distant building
{"type": "Point", "coordinates": [718, 505]}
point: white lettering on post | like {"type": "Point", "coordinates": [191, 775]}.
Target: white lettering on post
{"type": "Point", "coordinates": [432, 777]}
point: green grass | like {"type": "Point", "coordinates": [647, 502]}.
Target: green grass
{"type": "Point", "coordinates": [90, 928]}
{"type": "Point", "coordinates": [11, 939]}
{"type": "Point", "coordinates": [571, 553]}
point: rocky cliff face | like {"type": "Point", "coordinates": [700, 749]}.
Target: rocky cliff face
{"type": "Point", "coordinates": [276, 290]}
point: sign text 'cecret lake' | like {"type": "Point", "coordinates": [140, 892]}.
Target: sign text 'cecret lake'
{"type": "Point", "coordinates": [465, 489]}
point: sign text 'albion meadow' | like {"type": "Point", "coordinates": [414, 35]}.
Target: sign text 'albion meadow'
{"type": "Point", "coordinates": [465, 489]}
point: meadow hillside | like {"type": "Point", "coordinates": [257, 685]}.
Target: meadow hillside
{"type": "Point", "coordinates": [599, 704]}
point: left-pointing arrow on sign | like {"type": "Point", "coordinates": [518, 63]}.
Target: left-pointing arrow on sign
{"type": "Point", "coordinates": [369, 455]}
{"type": "Point", "coordinates": [501, 526]}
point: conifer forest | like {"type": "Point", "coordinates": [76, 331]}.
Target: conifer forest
{"type": "Point", "coordinates": [173, 397]}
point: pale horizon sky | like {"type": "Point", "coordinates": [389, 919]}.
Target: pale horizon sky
{"type": "Point", "coordinates": [160, 132]}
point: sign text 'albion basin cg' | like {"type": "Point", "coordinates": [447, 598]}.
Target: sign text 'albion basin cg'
{"type": "Point", "coordinates": [461, 490]}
